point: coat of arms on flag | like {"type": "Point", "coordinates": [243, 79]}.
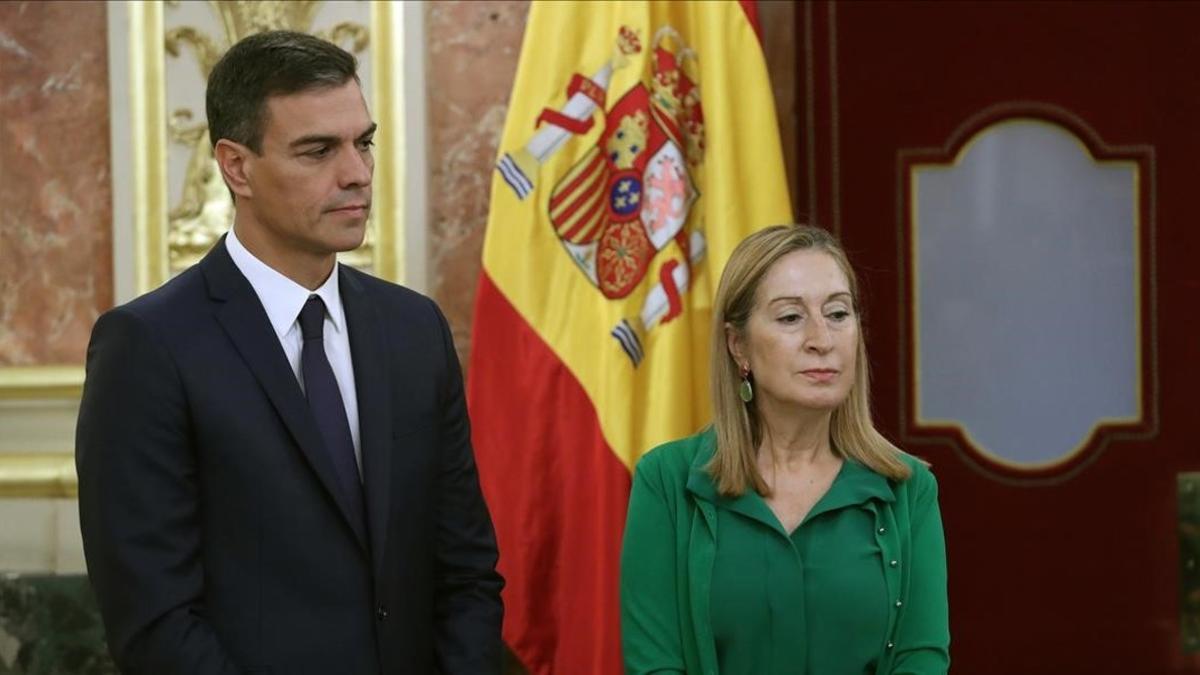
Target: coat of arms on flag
{"type": "Point", "coordinates": [640, 147]}
{"type": "Point", "coordinates": [630, 193]}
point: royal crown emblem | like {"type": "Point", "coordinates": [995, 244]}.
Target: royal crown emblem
{"type": "Point", "coordinates": [631, 193]}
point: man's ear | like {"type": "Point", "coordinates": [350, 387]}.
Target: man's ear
{"type": "Point", "coordinates": [234, 161]}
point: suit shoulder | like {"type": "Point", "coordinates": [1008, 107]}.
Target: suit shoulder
{"type": "Point", "coordinates": [382, 286]}
{"type": "Point", "coordinates": [392, 294]}
{"type": "Point", "coordinates": [153, 327]}
{"type": "Point", "coordinates": [175, 298]}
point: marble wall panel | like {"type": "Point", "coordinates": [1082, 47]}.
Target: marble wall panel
{"type": "Point", "coordinates": [472, 60]}
{"type": "Point", "coordinates": [55, 192]}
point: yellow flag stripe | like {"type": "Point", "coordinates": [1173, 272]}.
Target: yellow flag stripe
{"type": "Point", "coordinates": [733, 161]}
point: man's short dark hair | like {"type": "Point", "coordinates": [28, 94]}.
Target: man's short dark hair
{"type": "Point", "coordinates": [263, 65]}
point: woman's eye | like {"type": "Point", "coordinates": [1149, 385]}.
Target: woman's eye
{"type": "Point", "coordinates": [838, 315]}
{"type": "Point", "coordinates": [789, 318]}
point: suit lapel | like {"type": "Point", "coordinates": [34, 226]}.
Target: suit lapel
{"type": "Point", "coordinates": [243, 318]}
{"type": "Point", "coordinates": [374, 402]}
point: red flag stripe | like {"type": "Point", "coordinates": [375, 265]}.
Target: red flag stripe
{"type": "Point", "coordinates": [750, 7]}
{"type": "Point", "coordinates": [556, 491]}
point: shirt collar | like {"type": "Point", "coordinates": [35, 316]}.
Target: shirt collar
{"type": "Point", "coordinates": [281, 297]}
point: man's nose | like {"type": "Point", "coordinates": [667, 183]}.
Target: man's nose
{"type": "Point", "coordinates": [355, 169]}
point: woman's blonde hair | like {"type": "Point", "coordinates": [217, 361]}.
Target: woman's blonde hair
{"type": "Point", "coordinates": [738, 428]}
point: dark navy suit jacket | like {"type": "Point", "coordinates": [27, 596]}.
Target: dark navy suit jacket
{"type": "Point", "coordinates": [215, 536]}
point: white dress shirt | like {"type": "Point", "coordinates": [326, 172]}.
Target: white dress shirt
{"type": "Point", "coordinates": [283, 299]}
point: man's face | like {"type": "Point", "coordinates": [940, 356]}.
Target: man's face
{"type": "Point", "coordinates": [310, 188]}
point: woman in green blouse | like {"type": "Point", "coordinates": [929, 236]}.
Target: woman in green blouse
{"type": "Point", "coordinates": [790, 537]}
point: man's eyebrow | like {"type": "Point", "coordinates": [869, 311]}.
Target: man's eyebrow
{"type": "Point", "coordinates": [314, 139]}
{"type": "Point", "coordinates": [328, 139]}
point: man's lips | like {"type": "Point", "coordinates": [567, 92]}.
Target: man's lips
{"type": "Point", "coordinates": [349, 208]}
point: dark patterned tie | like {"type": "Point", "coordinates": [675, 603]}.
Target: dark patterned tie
{"type": "Point", "coordinates": [328, 409]}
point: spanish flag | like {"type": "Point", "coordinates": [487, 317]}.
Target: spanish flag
{"type": "Point", "coordinates": [640, 147]}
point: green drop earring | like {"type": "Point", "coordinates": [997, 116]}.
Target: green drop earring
{"type": "Point", "coordinates": [746, 392]}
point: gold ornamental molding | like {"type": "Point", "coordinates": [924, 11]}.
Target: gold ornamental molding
{"type": "Point", "coordinates": [41, 382]}
{"type": "Point", "coordinates": [38, 475]}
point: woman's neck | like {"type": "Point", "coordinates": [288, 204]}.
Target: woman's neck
{"type": "Point", "coordinates": [794, 438]}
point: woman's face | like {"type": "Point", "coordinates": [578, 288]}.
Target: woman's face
{"type": "Point", "coordinates": [801, 340]}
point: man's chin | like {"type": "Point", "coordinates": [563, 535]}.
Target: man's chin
{"type": "Point", "coordinates": [345, 247]}
{"type": "Point", "coordinates": [348, 236]}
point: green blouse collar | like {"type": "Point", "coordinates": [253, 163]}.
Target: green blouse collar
{"type": "Point", "coordinates": [855, 484]}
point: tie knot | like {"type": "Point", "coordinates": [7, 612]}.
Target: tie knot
{"type": "Point", "coordinates": [312, 318]}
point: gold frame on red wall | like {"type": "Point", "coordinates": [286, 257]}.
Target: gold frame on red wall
{"type": "Point", "coordinates": [1144, 425]}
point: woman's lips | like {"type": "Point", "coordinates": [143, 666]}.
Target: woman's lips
{"type": "Point", "coordinates": [820, 374]}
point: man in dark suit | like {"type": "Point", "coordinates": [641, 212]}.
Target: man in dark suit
{"type": "Point", "coordinates": [274, 456]}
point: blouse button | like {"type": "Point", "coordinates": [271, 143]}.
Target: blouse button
{"type": "Point", "coordinates": [894, 563]}
{"type": "Point", "coordinates": [882, 530]}
{"type": "Point", "coordinates": [890, 645]}
{"type": "Point", "coordinates": [898, 603]}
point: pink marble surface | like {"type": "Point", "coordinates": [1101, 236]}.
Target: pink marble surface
{"type": "Point", "coordinates": [55, 193]}
{"type": "Point", "coordinates": [472, 60]}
